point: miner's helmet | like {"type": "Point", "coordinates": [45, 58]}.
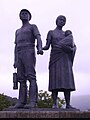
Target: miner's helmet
{"type": "Point", "coordinates": [27, 11]}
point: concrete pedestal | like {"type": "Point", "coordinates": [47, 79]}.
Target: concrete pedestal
{"type": "Point", "coordinates": [43, 113]}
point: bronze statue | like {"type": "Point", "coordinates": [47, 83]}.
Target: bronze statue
{"type": "Point", "coordinates": [61, 78]}
{"type": "Point", "coordinates": [25, 59]}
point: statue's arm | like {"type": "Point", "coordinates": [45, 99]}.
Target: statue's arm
{"type": "Point", "coordinates": [46, 47]}
{"type": "Point", "coordinates": [71, 49]}
{"type": "Point", "coordinates": [15, 54]}
{"type": "Point", "coordinates": [74, 50]}
{"type": "Point", "coordinates": [48, 41]}
{"type": "Point", "coordinates": [64, 47]}
{"type": "Point", "coordinates": [38, 37]}
{"type": "Point", "coordinates": [15, 57]}
{"type": "Point", "coordinates": [39, 45]}
{"type": "Point", "coordinates": [73, 53]}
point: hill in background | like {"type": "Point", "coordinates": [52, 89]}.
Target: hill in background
{"type": "Point", "coordinates": [82, 102]}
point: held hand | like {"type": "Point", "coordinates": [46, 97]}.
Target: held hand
{"type": "Point", "coordinates": [45, 47]}
{"type": "Point", "coordinates": [40, 52]}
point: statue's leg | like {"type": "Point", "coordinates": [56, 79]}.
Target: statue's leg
{"type": "Point", "coordinates": [54, 97]}
{"type": "Point", "coordinates": [22, 95]}
{"type": "Point", "coordinates": [33, 91]}
{"type": "Point", "coordinates": [36, 93]}
{"type": "Point", "coordinates": [33, 94]}
{"type": "Point", "coordinates": [30, 74]}
{"type": "Point", "coordinates": [67, 99]}
{"type": "Point", "coordinates": [22, 80]}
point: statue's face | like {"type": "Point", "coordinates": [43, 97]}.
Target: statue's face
{"type": "Point", "coordinates": [24, 16]}
{"type": "Point", "coordinates": [61, 21]}
{"type": "Point", "coordinates": [68, 32]}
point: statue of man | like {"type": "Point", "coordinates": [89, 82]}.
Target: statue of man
{"type": "Point", "coordinates": [61, 77]}
{"type": "Point", "coordinates": [25, 59]}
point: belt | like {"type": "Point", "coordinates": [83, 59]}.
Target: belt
{"type": "Point", "coordinates": [25, 47]}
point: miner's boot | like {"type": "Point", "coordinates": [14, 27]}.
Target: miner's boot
{"type": "Point", "coordinates": [22, 95]}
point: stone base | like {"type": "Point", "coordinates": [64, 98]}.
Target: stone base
{"type": "Point", "coordinates": [43, 113]}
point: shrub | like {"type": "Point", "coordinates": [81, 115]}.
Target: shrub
{"type": "Point", "coordinates": [4, 102]}
{"type": "Point", "coordinates": [45, 100]}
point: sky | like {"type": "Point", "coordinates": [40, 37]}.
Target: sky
{"type": "Point", "coordinates": [44, 14]}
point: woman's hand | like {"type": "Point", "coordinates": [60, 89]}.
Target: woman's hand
{"type": "Point", "coordinates": [40, 52]}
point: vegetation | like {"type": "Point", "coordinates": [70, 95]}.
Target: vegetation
{"type": "Point", "coordinates": [3, 102]}
{"type": "Point", "coordinates": [6, 101]}
{"type": "Point", "coordinates": [44, 100]}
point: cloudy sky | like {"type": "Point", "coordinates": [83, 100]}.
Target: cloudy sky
{"type": "Point", "coordinates": [44, 14]}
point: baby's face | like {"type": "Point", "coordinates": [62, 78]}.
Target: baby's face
{"type": "Point", "coordinates": [67, 33]}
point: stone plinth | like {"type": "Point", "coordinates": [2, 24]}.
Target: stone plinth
{"type": "Point", "coordinates": [43, 113]}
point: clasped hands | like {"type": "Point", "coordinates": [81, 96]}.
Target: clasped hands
{"type": "Point", "coordinates": [40, 52]}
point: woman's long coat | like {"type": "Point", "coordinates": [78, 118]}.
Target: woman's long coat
{"type": "Point", "coordinates": [60, 65]}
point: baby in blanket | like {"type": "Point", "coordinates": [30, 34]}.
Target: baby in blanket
{"type": "Point", "coordinates": [68, 38]}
